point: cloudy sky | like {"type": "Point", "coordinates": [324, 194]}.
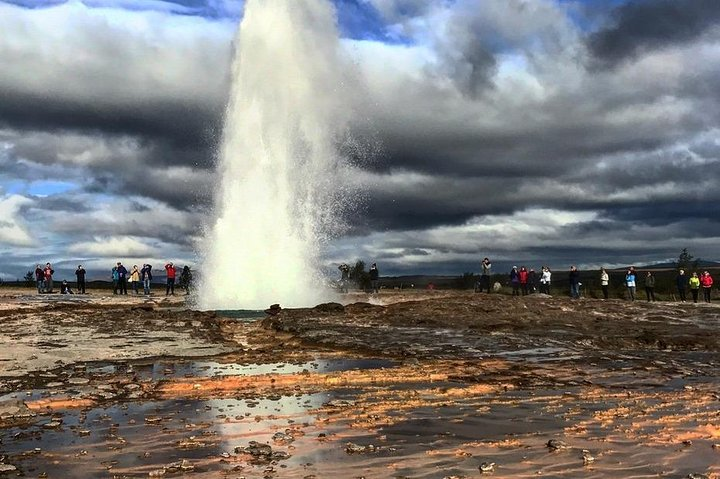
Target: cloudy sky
{"type": "Point", "coordinates": [530, 131]}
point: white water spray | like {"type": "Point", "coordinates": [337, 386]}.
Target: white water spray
{"type": "Point", "coordinates": [279, 197]}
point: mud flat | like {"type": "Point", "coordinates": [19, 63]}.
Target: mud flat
{"type": "Point", "coordinates": [414, 385]}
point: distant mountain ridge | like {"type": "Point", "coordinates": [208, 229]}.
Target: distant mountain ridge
{"type": "Point", "coordinates": [672, 264]}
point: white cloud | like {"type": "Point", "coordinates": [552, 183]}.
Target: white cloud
{"type": "Point", "coordinates": [13, 231]}
{"type": "Point", "coordinates": [115, 247]}
{"type": "Point", "coordinates": [107, 56]}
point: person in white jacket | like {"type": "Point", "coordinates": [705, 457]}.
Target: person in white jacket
{"type": "Point", "coordinates": [604, 282]}
{"type": "Point", "coordinates": [545, 279]}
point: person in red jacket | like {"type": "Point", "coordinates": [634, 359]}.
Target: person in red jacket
{"type": "Point", "coordinates": [706, 282]}
{"type": "Point", "coordinates": [48, 272]}
{"type": "Point", "coordinates": [171, 272]}
{"type": "Point", "coordinates": [523, 280]}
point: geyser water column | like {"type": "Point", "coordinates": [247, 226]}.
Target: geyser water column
{"type": "Point", "coordinates": [279, 197]}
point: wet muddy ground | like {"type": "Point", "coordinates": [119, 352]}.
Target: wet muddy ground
{"type": "Point", "coordinates": [452, 385]}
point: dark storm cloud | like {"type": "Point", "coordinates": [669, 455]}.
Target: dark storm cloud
{"type": "Point", "coordinates": [644, 25]}
{"type": "Point", "coordinates": [176, 122]}
{"type": "Point", "coordinates": [64, 203]}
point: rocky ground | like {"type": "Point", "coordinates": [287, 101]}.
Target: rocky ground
{"type": "Point", "coordinates": [402, 385]}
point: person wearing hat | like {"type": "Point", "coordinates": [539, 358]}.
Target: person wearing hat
{"type": "Point", "coordinates": [515, 281]}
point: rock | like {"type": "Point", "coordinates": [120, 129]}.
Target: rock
{"type": "Point", "coordinates": [556, 444]}
{"type": "Point", "coordinates": [283, 438]}
{"type": "Point", "coordinates": [329, 308]}
{"type": "Point", "coordinates": [697, 476]}
{"type": "Point", "coordinates": [587, 457]}
{"type": "Point", "coordinates": [14, 412]}
{"type": "Point", "coordinates": [486, 467]}
{"type": "Point", "coordinates": [54, 384]}
{"type": "Point", "coordinates": [273, 310]}
{"type": "Point", "coordinates": [78, 381]}
{"type": "Point", "coordinates": [339, 403]}
{"type": "Point", "coordinates": [143, 307]}
{"type": "Point", "coordinates": [191, 443]}
{"type": "Point", "coordinates": [352, 448]}
{"type": "Point", "coordinates": [7, 468]}
{"type": "Point", "coordinates": [262, 453]}
{"type": "Point", "coordinates": [174, 468]}
{"type": "Point", "coordinates": [52, 425]}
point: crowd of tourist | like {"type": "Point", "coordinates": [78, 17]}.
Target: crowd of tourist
{"type": "Point", "coordinates": [524, 282]}
{"type": "Point", "coordinates": [120, 278]}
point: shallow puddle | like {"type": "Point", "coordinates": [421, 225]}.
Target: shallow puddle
{"type": "Point", "coordinates": [390, 426]}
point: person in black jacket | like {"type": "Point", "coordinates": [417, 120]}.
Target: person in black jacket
{"type": "Point", "coordinates": [65, 288]}
{"type": "Point", "coordinates": [40, 279]}
{"type": "Point", "coordinates": [681, 280]}
{"type": "Point", "coordinates": [374, 279]}
{"type": "Point", "coordinates": [122, 278]}
{"type": "Point", "coordinates": [574, 278]}
{"type": "Point", "coordinates": [80, 275]}
{"type": "Point", "coordinates": [650, 286]}
{"type": "Point", "coordinates": [532, 281]}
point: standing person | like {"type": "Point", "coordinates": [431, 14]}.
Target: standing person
{"type": "Point", "coordinates": [186, 279]}
{"type": "Point", "coordinates": [115, 279]}
{"type": "Point", "coordinates": [146, 276]}
{"type": "Point", "coordinates": [630, 282]}
{"type": "Point", "coordinates": [122, 278]}
{"type": "Point", "coordinates": [80, 275]}
{"type": "Point", "coordinates": [650, 286]}
{"type": "Point", "coordinates": [532, 281]}
{"type": "Point", "coordinates": [574, 279]}
{"type": "Point", "coordinates": [40, 279]}
{"type": "Point", "coordinates": [485, 275]}
{"type": "Point", "coordinates": [706, 281]}
{"type": "Point", "coordinates": [344, 277]}
{"type": "Point", "coordinates": [604, 282]}
{"type": "Point", "coordinates": [135, 279]}
{"type": "Point", "coordinates": [523, 277]}
{"type": "Point", "coordinates": [545, 280]}
{"type": "Point", "coordinates": [374, 279]}
{"type": "Point", "coordinates": [694, 286]}
{"type": "Point", "coordinates": [171, 271]}
{"type": "Point", "coordinates": [681, 281]}
{"type": "Point", "coordinates": [515, 281]}
{"type": "Point", "coordinates": [48, 272]}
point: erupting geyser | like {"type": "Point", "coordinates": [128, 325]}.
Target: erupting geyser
{"type": "Point", "coordinates": [279, 198]}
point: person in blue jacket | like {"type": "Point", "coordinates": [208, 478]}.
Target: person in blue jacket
{"type": "Point", "coordinates": [631, 282]}
{"type": "Point", "coordinates": [146, 277]}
